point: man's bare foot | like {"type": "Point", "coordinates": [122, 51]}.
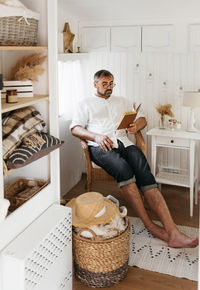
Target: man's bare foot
{"type": "Point", "coordinates": [179, 240]}
{"type": "Point", "coordinates": [175, 240]}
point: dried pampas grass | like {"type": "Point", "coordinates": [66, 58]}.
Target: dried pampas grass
{"type": "Point", "coordinates": [28, 68]}
{"type": "Point", "coordinates": [165, 110]}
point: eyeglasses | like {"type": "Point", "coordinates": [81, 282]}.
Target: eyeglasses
{"type": "Point", "coordinates": [106, 85]}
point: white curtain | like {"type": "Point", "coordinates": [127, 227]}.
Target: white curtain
{"type": "Point", "coordinates": [71, 88]}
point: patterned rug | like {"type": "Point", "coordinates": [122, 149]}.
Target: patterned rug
{"type": "Point", "coordinates": [150, 253]}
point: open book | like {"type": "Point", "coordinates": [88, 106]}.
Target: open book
{"type": "Point", "coordinates": [127, 119]}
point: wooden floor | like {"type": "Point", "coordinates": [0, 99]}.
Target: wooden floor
{"type": "Point", "coordinates": [177, 199]}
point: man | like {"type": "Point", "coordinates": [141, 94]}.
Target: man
{"type": "Point", "coordinates": [96, 120]}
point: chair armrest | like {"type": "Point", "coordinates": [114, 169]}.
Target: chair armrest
{"type": "Point", "coordinates": [86, 152]}
{"type": "Point", "coordinates": [140, 143]}
{"type": "Point", "coordinates": [84, 144]}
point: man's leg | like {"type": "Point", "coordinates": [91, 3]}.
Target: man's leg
{"type": "Point", "coordinates": [117, 166]}
{"type": "Point", "coordinates": [175, 238]}
{"type": "Point", "coordinates": [133, 197]}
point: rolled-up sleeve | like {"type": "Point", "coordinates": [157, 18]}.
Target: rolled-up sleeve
{"type": "Point", "coordinates": [80, 116]}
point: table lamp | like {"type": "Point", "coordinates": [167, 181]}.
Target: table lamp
{"type": "Point", "coordinates": [191, 99]}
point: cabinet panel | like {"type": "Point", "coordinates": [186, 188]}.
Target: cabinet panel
{"type": "Point", "coordinates": [95, 39]}
{"type": "Point", "coordinates": [171, 141]}
{"type": "Point", "coordinates": [127, 38]}
{"type": "Point", "coordinates": [194, 37]}
{"type": "Point", "coordinates": [156, 37]}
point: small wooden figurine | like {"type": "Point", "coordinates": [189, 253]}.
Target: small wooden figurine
{"type": "Point", "coordinates": [68, 38]}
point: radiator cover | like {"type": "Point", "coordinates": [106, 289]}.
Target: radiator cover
{"type": "Point", "coordinates": [40, 258]}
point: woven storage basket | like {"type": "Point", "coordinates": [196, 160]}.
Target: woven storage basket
{"type": "Point", "coordinates": [13, 191]}
{"type": "Point", "coordinates": [101, 262]}
{"type": "Point", "coordinates": [14, 30]}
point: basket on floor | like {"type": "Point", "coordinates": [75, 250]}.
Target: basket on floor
{"type": "Point", "coordinates": [101, 262]}
{"type": "Point", "coordinates": [15, 30]}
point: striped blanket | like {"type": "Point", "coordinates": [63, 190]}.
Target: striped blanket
{"type": "Point", "coordinates": [17, 125]}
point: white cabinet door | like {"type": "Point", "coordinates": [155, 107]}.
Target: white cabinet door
{"type": "Point", "coordinates": [157, 38]}
{"type": "Point", "coordinates": [194, 37]}
{"type": "Point", "coordinates": [127, 38]}
{"type": "Point", "coordinates": [95, 39]}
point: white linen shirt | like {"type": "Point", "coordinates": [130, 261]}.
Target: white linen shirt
{"type": "Point", "coordinates": [102, 116]}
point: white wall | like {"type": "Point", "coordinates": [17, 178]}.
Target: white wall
{"type": "Point", "coordinates": [71, 158]}
{"type": "Point", "coordinates": [41, 8]}
{"type": "Point", "coordinates": [65, 16]}
{"type": "Point", "coordinates": [95, 10]}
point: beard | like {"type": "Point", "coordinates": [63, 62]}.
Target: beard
{"type": "Point", "coordinates": [107, 93]}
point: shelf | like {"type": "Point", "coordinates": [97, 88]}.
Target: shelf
{"type": "Point", "coordinates": [9, 171]}
{"type": "Point", "coordinates": [173, 179]}
{"type": "Point", "coordinates": [72, 56]}
{"type": "Point", "coordinates": [23, 47]}
{"type": "Point", "coordinates": [22, 102]}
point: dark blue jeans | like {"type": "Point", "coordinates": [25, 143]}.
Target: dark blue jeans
{"type": "Point", "coordinates": [125, 164]}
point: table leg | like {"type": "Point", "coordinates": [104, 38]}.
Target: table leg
{"type": "Point", "coordinates": [197, 175]}
{"type": "Point", "coordinates": [153, 156]}
{"type": "Point", "coordinates": [192, 154]}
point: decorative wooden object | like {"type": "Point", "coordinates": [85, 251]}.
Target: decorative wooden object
{"type": "Point", "coordinates": [68, 38]}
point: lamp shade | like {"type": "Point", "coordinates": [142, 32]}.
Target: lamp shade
{"type": "Point", "coordinates": [191, 99]}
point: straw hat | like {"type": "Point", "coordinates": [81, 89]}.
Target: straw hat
{"type": "Point", "coordinates": [92, 208]}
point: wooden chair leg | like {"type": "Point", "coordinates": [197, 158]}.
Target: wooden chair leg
{"type": "Point", "coordinates": [89, 182]}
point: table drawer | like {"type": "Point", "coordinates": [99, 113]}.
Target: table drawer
{"type": "Point", "coordinates": [170, 141]}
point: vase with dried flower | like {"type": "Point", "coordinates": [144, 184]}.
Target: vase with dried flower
{"type": "Point", "coordinates": [164, 110]}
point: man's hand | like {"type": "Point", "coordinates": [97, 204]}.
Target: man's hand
{"type": "Point", "coordinates": [132, 129]}
{"type": "Point", "coordinates": [104, 142]}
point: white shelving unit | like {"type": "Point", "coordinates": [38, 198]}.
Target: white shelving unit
{"type": "Point", "coordinates": [72, 56]}
{"type": "Point", "coordinates": [46, 102]}
{"type": "Point", "coordinates": [173, 179]}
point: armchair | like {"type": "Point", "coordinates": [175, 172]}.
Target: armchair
{"type": "Point", "coordinates": [95, 172]}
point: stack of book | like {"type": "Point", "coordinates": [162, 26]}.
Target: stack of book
{"type": "Point", "coordinates": [23, 88]}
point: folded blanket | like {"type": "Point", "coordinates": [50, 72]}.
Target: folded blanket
{"type": "Point", "coordinates": [19, 124]}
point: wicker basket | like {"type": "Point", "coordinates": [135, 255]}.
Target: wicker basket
{"type": "Point", "coordinates": [14, 30]}
{"type": "Point", "coordinates": [22, 190]}
{"type": "Point", "coordinates": [101, 262]}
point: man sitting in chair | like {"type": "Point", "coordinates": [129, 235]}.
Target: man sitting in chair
{"type": "Point", "coordinates": [95, 121]}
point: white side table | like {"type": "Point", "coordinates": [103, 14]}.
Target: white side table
{"type": "Point", "coordinates": [180, 140]}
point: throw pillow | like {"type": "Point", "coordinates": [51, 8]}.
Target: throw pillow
{"type": "Point", "coordinates": [17, 125]}
{"type": "Point", "coordinates": [32, 148]}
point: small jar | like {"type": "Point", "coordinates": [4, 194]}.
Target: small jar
{"type": "Point", "coordinates": [172, 124]}
{"type": "Point", "coordinates": [178, 125]}
{"type": "Point", "coordinates": [11, 96]}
